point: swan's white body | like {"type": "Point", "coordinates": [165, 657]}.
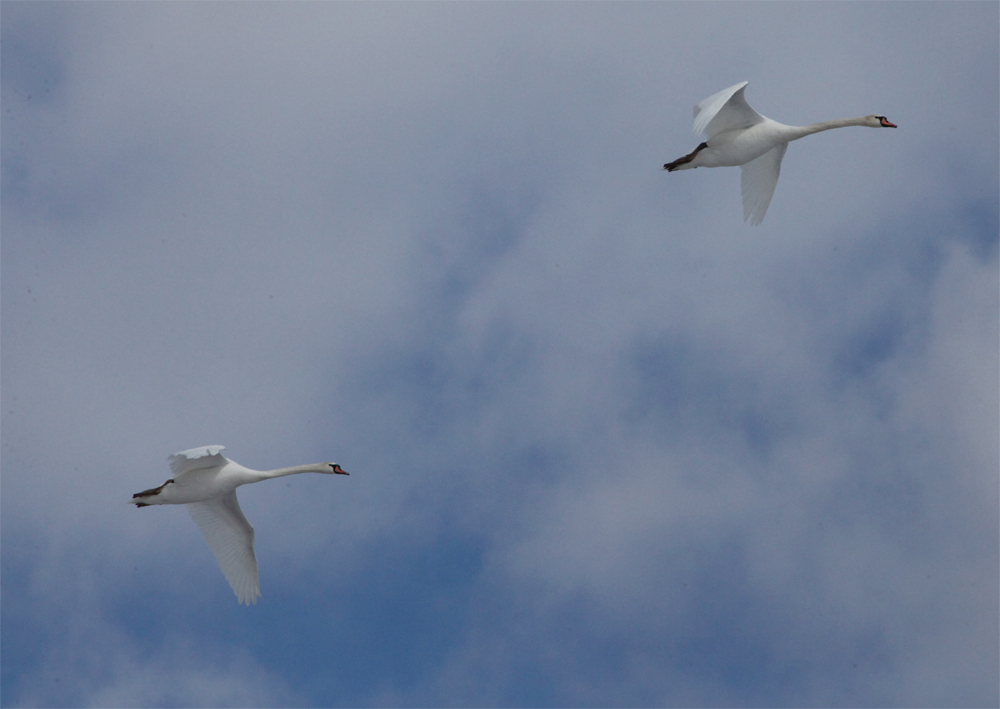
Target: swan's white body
{"type": "Point", "coordinates": [206, 482]}
{"type": "Point", "coordinates": [738, 135]}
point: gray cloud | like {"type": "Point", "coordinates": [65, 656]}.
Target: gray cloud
{"type": "Point", "coordinates": [607, 445]}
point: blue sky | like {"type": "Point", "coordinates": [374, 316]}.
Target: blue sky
{"type": "Point", "coordinates": [608, 445]}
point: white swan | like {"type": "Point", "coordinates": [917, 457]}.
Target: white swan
{"type": "Point", "coordinates": [206, 482]}
{"type": "Point", "coordinates": [738, 135]}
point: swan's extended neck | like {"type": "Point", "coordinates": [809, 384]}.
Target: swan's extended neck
{"type": "Point", "coordinates": [802, 131]}
{"type": "Point", "coordinates": [281, 472]}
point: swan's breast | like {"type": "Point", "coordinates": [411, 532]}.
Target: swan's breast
{"type": "Point", "coordinates": [740, 146]}
{"type": "Point", "coordinates": [199, 485]}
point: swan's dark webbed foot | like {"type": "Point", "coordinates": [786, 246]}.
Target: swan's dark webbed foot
{"type": "Point", "coordinates": [671, 166]}
{"type": "Point", "coordinates": [150, 492]}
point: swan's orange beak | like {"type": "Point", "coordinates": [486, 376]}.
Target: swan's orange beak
{"type": "Point", "coordinates": [886, 124]}
{"type": "Point", "coordinates": [340, 471]}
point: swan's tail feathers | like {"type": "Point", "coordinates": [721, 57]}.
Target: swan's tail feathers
{"type": "Point", "coordinates": [146, 497]}
{"type": "Point", "coordinates": [679, 163]}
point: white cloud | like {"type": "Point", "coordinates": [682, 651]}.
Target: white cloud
{"type": "Point", "coordinates": [607, 445]}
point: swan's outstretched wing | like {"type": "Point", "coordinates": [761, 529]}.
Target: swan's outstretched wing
{"type": "Point", "coordinates": [757, 183]}
{"type": "Point", "coordinates": [197, 458]}
{"type": "Point", "coordinates": [231, 538]}
{"type": "Point", "coordinates": [724, 111]}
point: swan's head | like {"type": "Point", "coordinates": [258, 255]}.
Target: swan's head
{"type": "Point", "coordinates": [335, 469]}
{"type": "Point", "coordinates": [879, 122]}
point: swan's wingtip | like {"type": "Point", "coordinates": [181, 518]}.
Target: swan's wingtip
{"type": "Point", "coordinates": [194, 453]}
{"type": "Point", "coordinates": [248, 598]}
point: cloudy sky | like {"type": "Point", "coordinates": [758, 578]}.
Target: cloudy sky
{"type": "Point", "coordinates": [608, 445]}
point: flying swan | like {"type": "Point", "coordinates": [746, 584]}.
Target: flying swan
{"type": "Point", "coordinates": [206, 482]}
{"type": "Point", "coordinates": [738, 135]}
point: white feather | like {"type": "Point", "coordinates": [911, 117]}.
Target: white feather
{"type": "Point", "coordinates": [757, 182]}
{"type": "Point", "coordinates": [726, 110]}
{"type": "Point", "coordinates": [204, 457]}
{"type": "Point", "coordinates": [206, 482]}
{"type": "Point", "coordinates": [230, 537]}
{"type": "Point", "coordinates": [739, 136]}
